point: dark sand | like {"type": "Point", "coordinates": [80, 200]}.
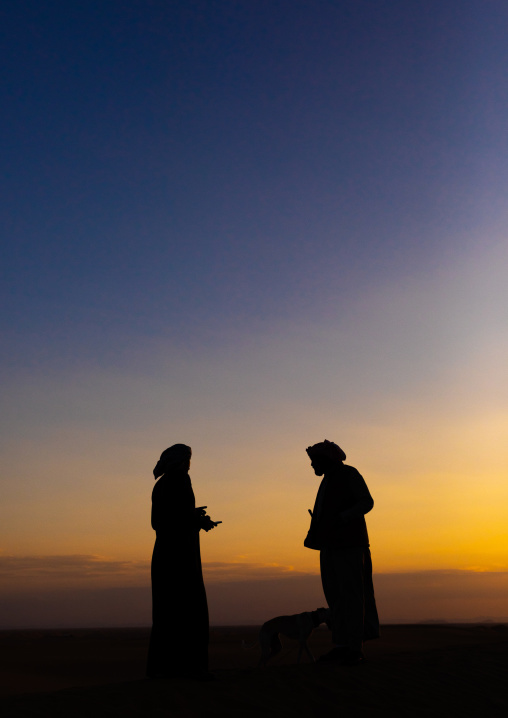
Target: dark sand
{"type": "Point", "coordinates": [436, 670]}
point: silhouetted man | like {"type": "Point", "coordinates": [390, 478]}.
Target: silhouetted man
{"type": "Point", "coordinates": [179, 638]}
{"type": "Point", "coordinates": [338, 530]}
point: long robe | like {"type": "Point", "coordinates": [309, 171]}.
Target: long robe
{"type": "Point", "coordinates": [338, 530]}
{"type": "Point", "coordinates": [179, 637]}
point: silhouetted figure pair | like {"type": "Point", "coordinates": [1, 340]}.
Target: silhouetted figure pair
{"type": "Point", "coordinates": [179, 637]}
{"type": "Point", "coordinates": [338, 530]}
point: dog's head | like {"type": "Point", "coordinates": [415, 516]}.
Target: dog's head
{"type": "Point", "coordinates": [321, 615]}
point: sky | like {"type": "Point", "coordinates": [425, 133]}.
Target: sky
{"type": "Point", "coordinates": [248, 227]}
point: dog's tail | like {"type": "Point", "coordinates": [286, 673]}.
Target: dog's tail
{"type": "Point", "coordinates": [247, 646]}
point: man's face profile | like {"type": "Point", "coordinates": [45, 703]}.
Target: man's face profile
{"type": "Point", "coordinates": [318, 466]}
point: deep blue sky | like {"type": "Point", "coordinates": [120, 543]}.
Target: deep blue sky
{"type": "Point", "coordinates": [170, 168]}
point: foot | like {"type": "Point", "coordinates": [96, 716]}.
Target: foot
{"type": "Point", "coordinates": [342, 656]}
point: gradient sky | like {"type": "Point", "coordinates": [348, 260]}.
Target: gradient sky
{"type": "Point", "coordinates": [249, 226]}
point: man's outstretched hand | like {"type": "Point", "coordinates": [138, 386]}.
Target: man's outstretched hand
{"type": "Point", "coordinates": [205, 522]}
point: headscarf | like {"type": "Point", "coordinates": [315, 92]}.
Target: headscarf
{"type": "Point", "coordinates": [170, 458]}
{"type": "Point", "coordinates": [326, 450]}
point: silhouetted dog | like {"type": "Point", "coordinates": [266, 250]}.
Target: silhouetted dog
{"type": "Point", "coordinates": [298, 627]}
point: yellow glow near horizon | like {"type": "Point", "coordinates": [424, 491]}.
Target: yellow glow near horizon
{"type": "Point", "coordinates": [428, 435]}
{"type": "Point", "coordinates": [426, 515]}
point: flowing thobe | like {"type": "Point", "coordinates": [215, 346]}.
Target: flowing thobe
{"type": "Point", "coordinates": [338, 530]}
{"type": "Point", "coordinates": [179, 637]}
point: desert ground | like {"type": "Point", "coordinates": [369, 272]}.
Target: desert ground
{"type": "Point", "coordinates": [420, 670]}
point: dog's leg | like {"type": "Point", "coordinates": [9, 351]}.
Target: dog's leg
{"type": "Point", "coordinates": [309, 653]}
{"type": "Point", "coordinates": [304, 647]}
{"type": "Point", "coordinates": [271, 645]}
{"type": "Point", "coordinates": [300, 651]}
{"type": "Point", "coordinates": [305, 627]}
{"type": "Point", "coordinates": [264, 643]}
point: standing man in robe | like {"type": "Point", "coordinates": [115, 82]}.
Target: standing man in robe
{"type": "Point", "coordinates": [179, 638]}
{"type": "Point", "coordinates": [339, 532]}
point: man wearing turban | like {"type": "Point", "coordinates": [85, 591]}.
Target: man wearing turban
{"type": "Point", "coordinates": [339, 532]}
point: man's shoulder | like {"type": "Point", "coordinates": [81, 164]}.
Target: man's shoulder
{"type": "Point", "coordinates": [350, 469]}
{"type": "Point", "coordinates": [352, 474]}
{"type": "Point", "coordinates": [343, 474]}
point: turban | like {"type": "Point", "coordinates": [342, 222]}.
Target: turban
{"type": "Point", "coordinates": [326, 450]}
{"type": "Point", "coordinates": [170, 458]}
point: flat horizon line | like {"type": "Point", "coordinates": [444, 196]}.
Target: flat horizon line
{"type": "Point", "coordinates": [430, 623]}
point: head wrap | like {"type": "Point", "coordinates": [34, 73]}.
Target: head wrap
{"type": "Point", "coordinates": [170, 458]}
{"type": "Point", "coordinates": [326, 450]}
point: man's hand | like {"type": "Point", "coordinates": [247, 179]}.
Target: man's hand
{"type": "Point", "coordinates": [204, 521]}
{"type": "Point", "coordinates": [207, 524]}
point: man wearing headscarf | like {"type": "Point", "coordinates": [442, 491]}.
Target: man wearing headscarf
{"type": "Point", "coordinates": [179, 637]}
{"type": "Point", "coordinates": [339, 532]}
